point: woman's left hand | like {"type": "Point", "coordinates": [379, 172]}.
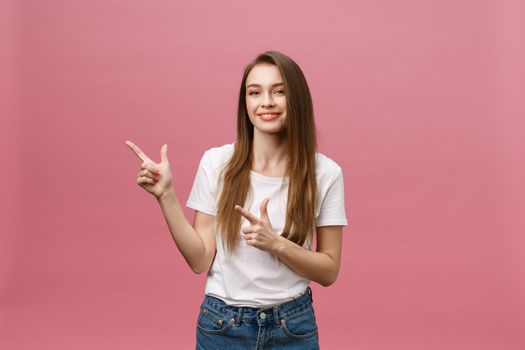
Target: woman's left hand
{"type": "Point", "coordinates": [260, 233]}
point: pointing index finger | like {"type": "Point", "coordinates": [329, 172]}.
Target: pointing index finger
{"type": "Point", "coordinates": [251, 218]}
{"type": "Point", "coordinates": [137, 151]}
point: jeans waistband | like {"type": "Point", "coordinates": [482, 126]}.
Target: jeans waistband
{"type": "Point", "coordinates": [263, 315]}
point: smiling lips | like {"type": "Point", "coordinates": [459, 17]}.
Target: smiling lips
{"type": "Point", "coordinates": [268, 116]}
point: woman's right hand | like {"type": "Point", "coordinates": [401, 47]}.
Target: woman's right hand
{"type": "Point", "coordinates": [153, 177]}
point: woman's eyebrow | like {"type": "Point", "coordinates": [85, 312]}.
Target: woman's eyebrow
{"type": "Point", "coordinates": [257, 85]}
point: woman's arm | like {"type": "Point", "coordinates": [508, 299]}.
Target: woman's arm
{"type": "Point", "coordinates": [197, 242]}
{"type": "Point", "coordinates": [321, 266]}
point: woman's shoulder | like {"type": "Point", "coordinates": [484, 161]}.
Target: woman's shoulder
{"type": "Point", "coordinates": [219, 150]}
{"type": "Point", "coordinates": [326, 167]}
{"type": "Point", "coordinates": [218, 155]}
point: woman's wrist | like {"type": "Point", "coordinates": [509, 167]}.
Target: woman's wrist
{"type": "Point", "coordinates": [167, 196]}
{"type": "Point", "coordinates": [280, 246]}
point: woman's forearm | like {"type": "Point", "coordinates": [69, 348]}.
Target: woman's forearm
{"type": "Point", "coordinates": [186, 238]}
{"type": "Point", "coordinates": [316, 266]}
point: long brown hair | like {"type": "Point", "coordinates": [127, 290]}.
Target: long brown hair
{"type": "Point", "coordinates": [299, 126]}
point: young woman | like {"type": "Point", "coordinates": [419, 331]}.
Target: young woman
{"type": "Point", "coordinates": [257, 203]}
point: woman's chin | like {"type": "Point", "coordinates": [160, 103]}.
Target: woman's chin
{"type": "Point", "coordinates": [277, 130]}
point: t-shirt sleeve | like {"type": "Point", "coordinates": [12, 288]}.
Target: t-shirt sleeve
{"type": "Point", "coordinates": [202, 194]}
{"type": "Point", "coordinates": [332, 211]}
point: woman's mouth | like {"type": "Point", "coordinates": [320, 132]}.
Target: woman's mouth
{"type": "Point", "coordinates": [268, 116]}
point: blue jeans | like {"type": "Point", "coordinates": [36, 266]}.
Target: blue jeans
{"type": "Point", "coordinates": [290, 325]}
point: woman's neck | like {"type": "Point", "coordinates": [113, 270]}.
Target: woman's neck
{"type": "Point", "coordinates": [270, 154]}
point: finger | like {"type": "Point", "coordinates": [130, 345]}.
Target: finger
{"type": "Point", "coordinates": [251, 218]}
{"type": "Point", "coordinates": [152, 167]}
{"type": "Point", "coordinates": [247, 229]}
{"type": "Point", "coordinates": [152, 174]}
{"type": "Point", "coordinates": [145, 180]}
{"type": "Point", "coordinates": [147, 173]}
{"type": "Point", "coordinates": [264, 208]}
{"type": "Point", "coordinates": [137, 151]}
{"type": "Point", "coordinates": [250, 239]}
{"type": "Point", "coordinates": [164, 153]}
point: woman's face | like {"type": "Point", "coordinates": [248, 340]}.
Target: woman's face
{"type": "Point", "coordinates": [266, 98]}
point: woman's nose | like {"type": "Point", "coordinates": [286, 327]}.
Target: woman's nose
{"type": "Point", "coordinates": [267, 100]}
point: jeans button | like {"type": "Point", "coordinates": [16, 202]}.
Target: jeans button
{"type": "Point", "coordinates": [263, 315]}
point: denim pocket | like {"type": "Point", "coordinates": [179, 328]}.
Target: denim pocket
{"type": "Point", "coordinates": [211, 322]}
{"type": "Point", "coordinates": [301, 325]}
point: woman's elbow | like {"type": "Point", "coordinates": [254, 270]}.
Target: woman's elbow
{"type": "Point", "coordinates": [327, 283]}
{"type": "Point", "coordinates": [329, 280]}
{"type": "Point", "coordinates": [198, 269]}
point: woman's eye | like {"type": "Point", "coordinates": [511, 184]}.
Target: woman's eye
{"type": "Point", "coordinates": [256, 92]}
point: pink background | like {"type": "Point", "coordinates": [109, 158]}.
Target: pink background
{"type": "Point", "coordinates": [420, 102]}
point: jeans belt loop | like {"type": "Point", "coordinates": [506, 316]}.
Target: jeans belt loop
{"type": "Point", "coordinates": [310, 292]}
{"type": "Point", "coordinates": [239, 316]}
{"type": "Point", "coordinates": [276, 319]}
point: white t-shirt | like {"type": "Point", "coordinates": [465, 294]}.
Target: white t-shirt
{"type": "Point", "coordinates": [254, 277]}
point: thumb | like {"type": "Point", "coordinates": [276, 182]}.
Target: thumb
{"type": "Point", "coordinates": [264, 208]}
{"type": "Point", "coordinates": [164, 153]}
